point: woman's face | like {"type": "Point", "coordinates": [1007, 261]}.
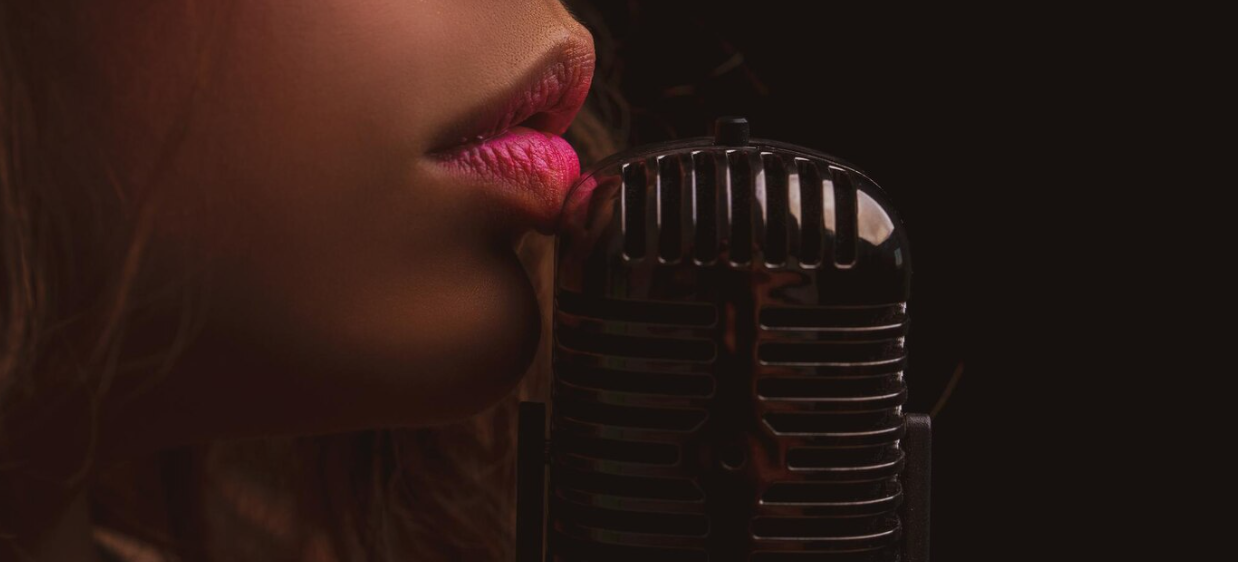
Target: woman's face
{"type": "Point", "coordinates": [363, 264]}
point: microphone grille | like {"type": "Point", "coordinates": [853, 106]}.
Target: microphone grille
{"type": "Point", "coordinates": [729, 327]}
{"type": "Point", "coordinates": [738, 204]}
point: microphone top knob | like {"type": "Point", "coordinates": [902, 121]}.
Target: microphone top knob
{"type": "Point", "coordinates": [731, 131]}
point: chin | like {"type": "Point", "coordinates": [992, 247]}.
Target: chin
{"type": "Point", "coordinates": [457, 354]}
{"type": "Point", "coordinates": [338, 352]}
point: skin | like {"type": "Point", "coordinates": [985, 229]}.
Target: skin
{"type": "Point", "coordinates": [354, 284]}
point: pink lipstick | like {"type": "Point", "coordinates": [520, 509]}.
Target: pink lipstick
{"type": "Point", "coordinates": [513, 148]}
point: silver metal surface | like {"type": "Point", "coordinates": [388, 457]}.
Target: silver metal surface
{"type": "Point", "coordinates": [729, 354]}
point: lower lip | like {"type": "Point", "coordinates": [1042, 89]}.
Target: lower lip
{"type": "Point", "coordinates": [529, 171]}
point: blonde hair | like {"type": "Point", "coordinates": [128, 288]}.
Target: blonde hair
{"type": "Point", "coordinates": [440, 493]}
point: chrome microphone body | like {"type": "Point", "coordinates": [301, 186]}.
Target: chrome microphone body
{"type": "Point", "coordinates": [729, 326]}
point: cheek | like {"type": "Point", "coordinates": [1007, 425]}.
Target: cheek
{"type": "Point", "coordinates": [355, 285]}
{"type": "Point", "coordinates": [375, 294]}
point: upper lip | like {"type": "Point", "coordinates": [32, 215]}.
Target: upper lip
{"type": "Point", "coordinates": [545, 99]}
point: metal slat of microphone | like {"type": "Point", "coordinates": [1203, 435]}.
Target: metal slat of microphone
{"type": "Point", "coordinates": [728, 361]}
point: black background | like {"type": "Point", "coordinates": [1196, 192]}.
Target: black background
{"type": "Point", "coordinates": [922, 101]}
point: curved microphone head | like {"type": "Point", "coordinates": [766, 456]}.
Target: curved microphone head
{"type": "Point", "coordinates": [729, 326]}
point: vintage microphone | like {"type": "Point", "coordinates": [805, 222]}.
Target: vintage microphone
{"type": "Point", "coordinates": [729, 327]}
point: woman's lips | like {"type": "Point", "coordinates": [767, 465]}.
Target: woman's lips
{"type": "Point", "coordinates": [529, 170]}
{"type": "Point", "coordinates": [511, 147]}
